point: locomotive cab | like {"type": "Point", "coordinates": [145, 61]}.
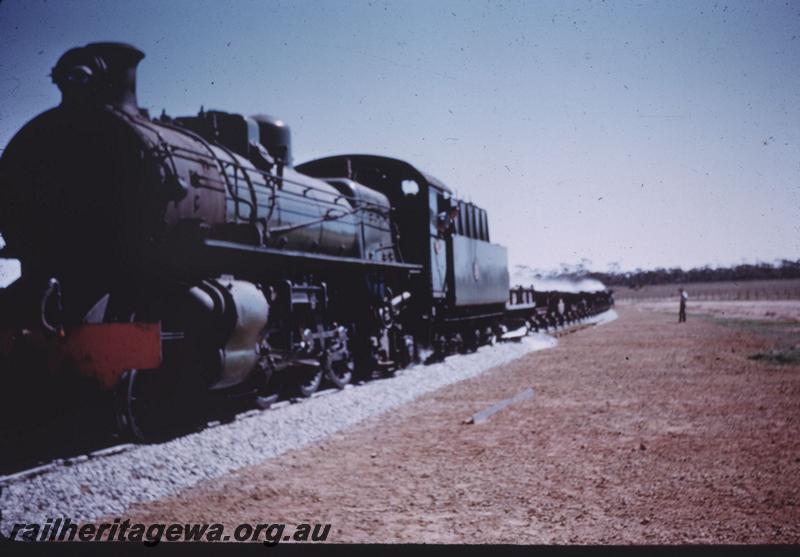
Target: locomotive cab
{"type": "Point", "coordinates": [462, 291]}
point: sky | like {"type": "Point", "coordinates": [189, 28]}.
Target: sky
{"type": "Point", "coordinates": [642, 134]}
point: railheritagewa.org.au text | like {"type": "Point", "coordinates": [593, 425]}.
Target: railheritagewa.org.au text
{"type": "Point", "coordinates": [123, 530]}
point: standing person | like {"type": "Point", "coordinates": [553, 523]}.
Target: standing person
{"type": "Point", "coordinates": [682, 309]}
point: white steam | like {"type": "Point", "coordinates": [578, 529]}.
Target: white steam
{"type": "Point", "coordinates": [525, 276]}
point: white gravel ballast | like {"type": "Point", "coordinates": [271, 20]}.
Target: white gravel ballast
{"type": "Point", "coordinates": [107, 486]}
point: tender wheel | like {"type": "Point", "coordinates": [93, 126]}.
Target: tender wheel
{"type": "Point", "coordinates": [439, 350]}
{"type": "Point", "coordinates": [474, 340]}
{"type": "Point", "coordinates": [457, 345]}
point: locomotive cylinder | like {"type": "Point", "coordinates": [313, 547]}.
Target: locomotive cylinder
{"type": "Point", "coordinates": [230, 315]}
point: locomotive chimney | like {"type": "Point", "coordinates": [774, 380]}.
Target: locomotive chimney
{"type": "Point", "coordinates": [99, 73]}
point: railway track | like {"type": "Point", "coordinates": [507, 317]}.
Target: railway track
{"type": "Point", "coordinates": [110, 446]}
{"type": "Point", "coordinates": [106, 450]}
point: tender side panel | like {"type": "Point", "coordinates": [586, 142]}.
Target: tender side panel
{"type": "Point", "coordinates": [480, 272]}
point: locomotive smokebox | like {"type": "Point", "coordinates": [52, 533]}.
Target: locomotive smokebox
{"type": "Point", "coordinates": [275, 136]}
{"type": "Point", "coordinates": [99, 74]}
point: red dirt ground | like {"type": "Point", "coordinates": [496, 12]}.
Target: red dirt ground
{"type": "Point", "coordinates": [641, 431]}
{"type": "Point", "coordinates": [775, 310]}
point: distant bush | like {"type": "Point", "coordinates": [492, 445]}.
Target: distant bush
{"type": "Point", "coordinates": [784, 269]}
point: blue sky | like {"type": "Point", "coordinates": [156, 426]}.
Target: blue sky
{"type": "Point", "coordinates": [643, 133]}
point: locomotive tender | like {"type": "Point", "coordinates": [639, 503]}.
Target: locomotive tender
{"type": "Point", "coordinates": [171, 262]}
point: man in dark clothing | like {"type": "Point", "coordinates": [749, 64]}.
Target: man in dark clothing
{"type": "Point", "coordinates": [682, 309]}
{"type": "Point", "coordinates": [445, 220]}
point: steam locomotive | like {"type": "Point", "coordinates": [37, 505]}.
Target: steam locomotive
{"type": "Point", "coordinates": [169, 263]}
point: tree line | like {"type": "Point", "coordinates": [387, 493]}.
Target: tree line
{"type": "Point", "coordinates": [783, 269]}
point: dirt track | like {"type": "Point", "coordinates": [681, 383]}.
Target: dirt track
{"type": "Point", "coordinates": [641, 431]}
